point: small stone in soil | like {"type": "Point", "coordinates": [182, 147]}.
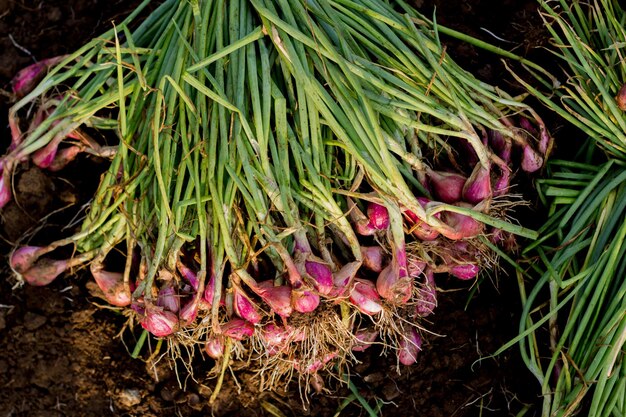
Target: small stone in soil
{"type": "Point", "coordinates": [129, 397]}
{"type": "Point", "coordinates": [33, 321]}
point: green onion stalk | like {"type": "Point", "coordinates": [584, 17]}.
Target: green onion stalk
{"type": "Point", "coordinates": [578, 260]}
{"type": "Point", "coordinates": [290, 177]}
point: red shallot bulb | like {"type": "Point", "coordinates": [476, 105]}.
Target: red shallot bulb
{"type": "Point", "coordinates": [277, 297]}
{"type": "Point", "coordinates": [378, 216]}
{"type": "Point", "coordinates": [112, 285]}
{"type": "Point", "coordinates": [373, 257]}
{"type": "Point", "coordinates": [343, 277]}
{"type": "Point", "coordinates": [238, 329]}
{"type": "Point", "coordinates": [447, 186]}
{"type": "Point", "coordinates": [189, 312]}
{"type": "Point", "coordinates": [478, 185]}
{"type": "Point", "coordinates": [244, 307]}
{"type": "Point", "coordinates": [192, 278]}
{"type": "Point", "coordinates": [531, 159]}
{"type": "Point", "coordinates": [364, 339]}
{"type": "Point", "coordinates": [426, 295]}
{"type": "Point", "coordinates": [304, 301]}
{"type": "Point", "coordinates": [24, 258]}
{"type": "Point", "coordinates": [63, 157]}
{"type": "Point", "coordinates": [365, 298]}
{"type": "Point", "coordinates": [27, 78]}
{"type": "Point", "coordinates": [463, 226]}
{"type": "Point", "coordinates": [5, 184]}
{"type": "Point", "coordinates": [394, 287]}
{"type": "Point", "coordinates": [159, 322]}
{"type": "Point", "coordinates": [409, 346]}
{"type": "Point", "coordinates": [322, 276]}
{"type": "Point", "coordinates": [214, 346]}
{"type": "Point", "coordinates": [465, 271]}
{"type": "Point", "coordinates": [168, 298]}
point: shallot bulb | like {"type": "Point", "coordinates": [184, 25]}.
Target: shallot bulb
{"type": "Point", "coordinates": [35, 270]}
{"type": "Point", "coordinates": [378, 216]}
{"type": "Point", "coordinates": [365, 298]}
{"type": "Point", "coordinates": [419, 228]}
{"type": "Point", "coordinates": [244, 307]}
{"type": "Point", "coordinates": [409, 346]}
{"type": "Point", "coordinates": [27, 78]}
{"type": "Point", "coordinates": [214, 346]}
{"type": "Point", "coordinates": [168, 298]}
{"type": "Point", "coordinates": [447, 186]}
{"type": "Point", "coordinates": [24, 258]}
{"type": "Point", "coordinates": [465, 271]}
{"type": "Point", "coordinates": [189, 312]}
{"type": "Point", "coordinates": [112, 285]}
{"type": "Point", "coordinates": [63, 157]}
{"type": "Point", "coordinates": [5, 184]}
{"type": "Point", "coordinates": [277, 297]}
{"type": "Point", "coordinates": [343, 277]}
{"type": "Point", "coordinates": [275, 338]}
{"type": "Point", "coordinates": [192, 278]}
{"type": "Point", "coordinates": [322, 275]}
{"type": "Point", "coordinates": [159, 322]}
{"type": "Point", "coordinates": [426, 295]}
{"type": "Point", "coordinates": [478, 185]}
{"type": "Point", "coordinates": [238, 329]}
{"type": "Point", "coordinates": [373, 257]}
{"type": "Point", "coordinates": [531, 159]}
{"type": "Point", "coordinates": [393, 286]}
{"type": "Point", "coordinates": [364, 339]}
{"type": "Point", "coordinates": [463, 226]}
{"type": "Point", "coordinates": [304, 301]}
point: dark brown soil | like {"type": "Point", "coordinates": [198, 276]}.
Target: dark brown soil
{"type": "Point", "coordinates": [62, 355]}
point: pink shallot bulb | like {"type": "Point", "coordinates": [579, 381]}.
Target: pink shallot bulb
{"type": "Point", "coordinates": [365, 298]}
{"type": "Point", "coordinates": [63, 157]}
{"type": "Point", "coordinates": [419, 228]}
{"type": "Point", "coordinates": [373, 257]}
{"type": "Point", "coordinates": [531, 159]}
{"type": "Point", "coordinates": [27, 78]}
{"type": "Point", "coordinates": [238, 329]}
{"type": "Point", "coordinates": [364, 339]}
{"type": "Point", "coordinates": [159, 322]}
{"type": "Point", "coordinates": [447, 186]}
{"type": "Point", "coordinates": [463, 226]}
{"type": "Point", "coordinates": [322, 275]}
{"type": "Point", "coordinates": [478, 185]}
{"type": "Point", "coordinates": [168, 298]}
{"type": "Point", "coordinates": [191, 277]}
{"type": "Point", "coordinates": [45, 271]}
{"type": "Point", "coordinates": [189, 312]}
{"type": "Point", "coordinates": [394, 287]}
{"type": "Point", "coordinates": [409, 346]}
{"type": "Point", "coordinates": [465, 271]}
{"type": "Point", "coordinates": [426, 295]}
{"type": "Point", "coordinates": [378, 216]}
{"type": "Point", "coordinates": [24, 258]}
{"type": "Point", "coordinates": [277, 297]}
{"type": "Point", "coordinates": [5, 183]}
{"type": "Point", "coordinates": [304, 301]}
{"type": "Point", "coordinates": [275, 338]}
{"type": "Point", "coordinates": [214, 346]}
{"type": "Point", "coordinates": [112, 285]}
{"type": "Point", "coordinates": [244, 307]}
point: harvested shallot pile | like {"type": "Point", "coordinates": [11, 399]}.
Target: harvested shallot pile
{"type": "Point", "coordinates": [288, 178]}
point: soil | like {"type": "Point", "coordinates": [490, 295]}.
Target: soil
{"type": "Point", "coordinates": [63, 354]}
